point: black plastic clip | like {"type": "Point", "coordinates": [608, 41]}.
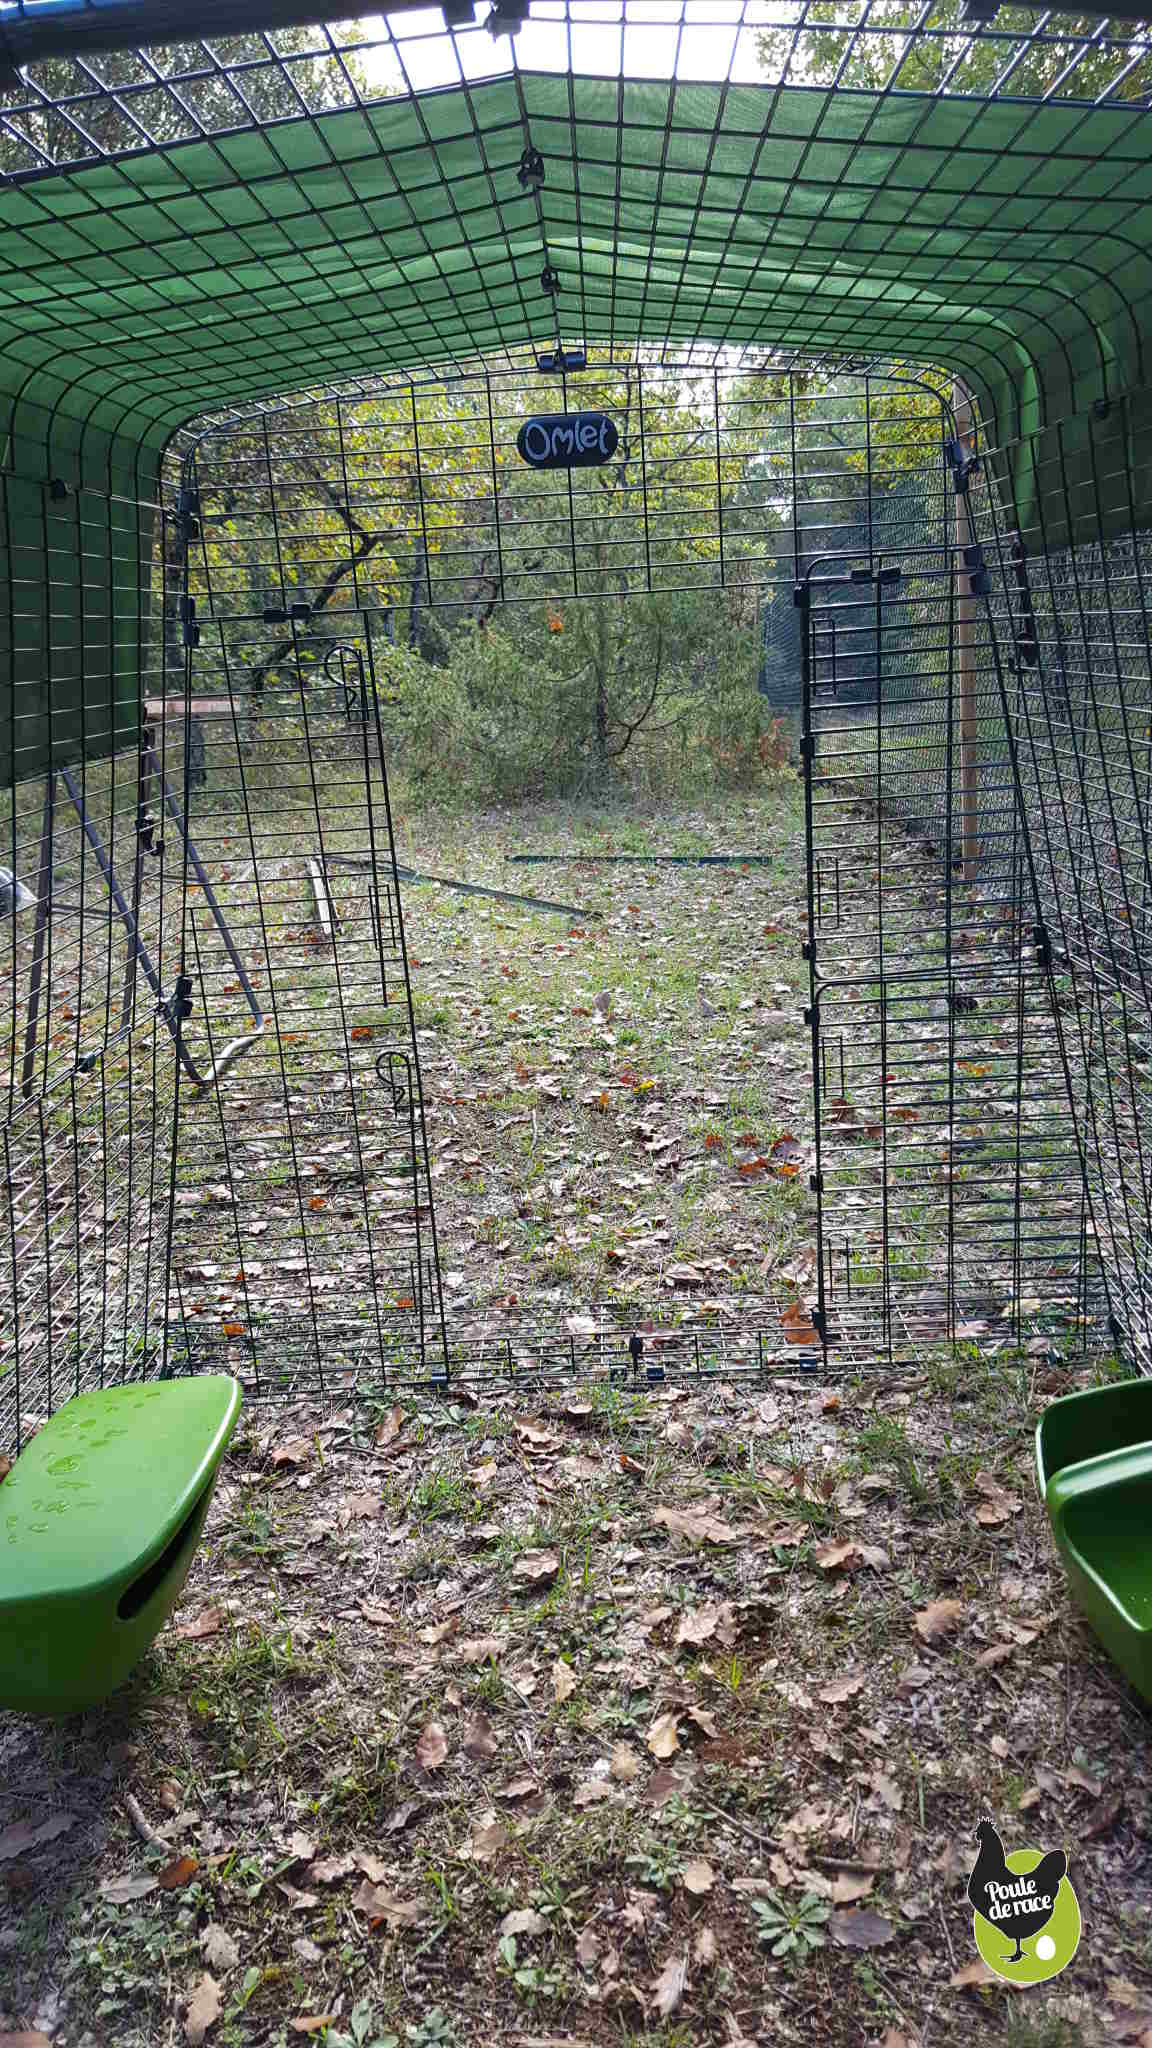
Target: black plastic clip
{"type": "Point", "coordinates": [179, 1003]}
{"type": "Point", "coordinates": [146, 832]}
{"type": "Point", "coordinates": [188, 619]}
{"type": "Point", "coordinates": [275, 615]}
{"type": "Point", "coordinates": [531, 172]}
{"type": "Point", "coordinates": [300, 611]}
{"type": "Point", "coordinates": [57, 489]}
{"type": "Point", "coordinates": [1043, 946]}
{"type": "Point", "coordinates": [963, 464]}
{"type": "Point", "coordinates": [816, 1183]}
{"type": "Point", "coordinates": [635, 1349]}
{"type": "Point", "coordinates": [888, 576]}
{"type": "Point", "coordinates": [801, 596]}
{"type": "Point", "coordinates": [549, 281]}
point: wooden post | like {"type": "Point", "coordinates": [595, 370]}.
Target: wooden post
{"type": "Point", "coordinates": [965, 645]}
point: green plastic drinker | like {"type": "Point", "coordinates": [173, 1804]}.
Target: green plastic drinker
{"type": "Point", "coordinates": [99, 1519]}
{"type": "Point", "coordinates": [1094, 1472]}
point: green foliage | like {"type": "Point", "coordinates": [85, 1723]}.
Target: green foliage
{"type": "Point", "coordinates": [965, 64]}
{"type": "Point", "coordinates": [791, 1929]}
{"type": "Point", "coordinates": [649, 691]}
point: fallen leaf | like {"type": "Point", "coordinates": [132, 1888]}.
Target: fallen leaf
{"type": "Point", "coordinates": [25, 1835]}
{"type": "Point", "coordinates": [786, 1156]}
{"type": "Point", "coordinates": [525, 1920]}
{"type": "Point", "coordinates": [697, 1528]}
{"type": "Point", "coordinates": [797, 1325]}
{"type": "Point", "coordinates": [314, 2024]}
{"type": "Point", "coordinates": [120, 1891]}
{"type": "Point", "coordinates": [536, 1567]}
{"type": "Point", "coordinates": [486, 1840]}
{"type": "Point", "coordinates": [938, 1619]}
{"type": "Point", "coordinates": [432, 1747]}
{"type": "Point", "coordinates": [844, 1688]}
{"type": "Point", "coordinates": [974, 1973]}
{"type": "Point", "coordinates": [668, 1989]}
{"type": "Point", "coordinates": [845, 1889]}
{"type": "Point", "coordinates": [220, 1950]}
{"type": "Point", "coordinates": [296, 1450]}
{"type": "Point", "coordinates": [478, 1649]}
{"type": "Point", "coordinates": [625, 1765]}
{"type": "Point", "coordinates": [997, 1506]}
{"type": "Point", "coordinates": [28, 2038]}
{"type": "Point", "coordinates": [203, 2010]}
{"type": "Point", "coordinates": [479, 1740]}
{"type": "Point", "coordinates": [700, 1624]}
{"type": "Point", "coordinates": [208, 1622]}
{"type": "Point", "coordinates": [704, 1949]}
{"type": "Point", "coordinates": [1103, 1817]}
{"type": "Point", "coordinates": [834, 1556]}
{"type": "Point", "coordinates": [857, 1927]}
{"type": "Point", "coordinates": [888, 1791]}
{"type": "Point", "coordinates": [178, 1873]}
{"type": "Point", "coordinates": [388, 1430]}
{"type": "Point", "coordinates": [697, 1877]}
{"type": "Point", "coordinates": [564, 1681]}
{"type": "Point", "coordinates": [591, 1792]}
{"type": "Point", "coordinates": [663, 1735]}
{"type": "Point", "coordinates": [332, 1868]}
{"type": "Point", "coordinates": [381, 1905]}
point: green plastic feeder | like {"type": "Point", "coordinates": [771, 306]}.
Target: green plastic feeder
{"type": "Point", "coordinates": [99, 1519]}
{"type": "Point", "coordinates": [1094, 1471]}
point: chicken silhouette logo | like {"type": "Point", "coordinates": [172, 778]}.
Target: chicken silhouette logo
{"type": "Point", "coordinates": [1027, 1919]}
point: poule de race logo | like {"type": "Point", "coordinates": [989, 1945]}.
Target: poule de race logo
{"type": "Point", "coordinates": [1024, 1898]}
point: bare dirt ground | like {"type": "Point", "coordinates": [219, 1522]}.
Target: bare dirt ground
{"type": "Point", "coordinates": [591, 1717]}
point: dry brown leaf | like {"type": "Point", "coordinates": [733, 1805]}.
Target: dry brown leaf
{"type": "Point", "coordinates": [203, 2010]}
{"type": "Point", "coordinates": [835, 1556]}
{"type": "Point", "coordinates": [519, 1787]}
{"type": "Point", "coordinates": [625, 1763]}
{"type": "Point", "coordinates": [668, 1989]}
{"type": "Point", "coordinates": [663, 1735]}
{"type": "Point", "coordinates": [380, 1617]}
{"type": "Point", "coordinates": [313, 2023]}
{"type": "Point", "coordinates": [121, 1891]}
{"type": "Point", "coordinates": [846, 1889]}
{"type": "Point", "coordinates": [389, 1429]}
{"type": "Point", "coordinates": [478, 1649]}
{"type": "Point", "coordinates": [479, 1739]}
{"type": "Point", "coordinates": [591, 1792]}
{"type": "Point", "coordinates": [974, 1973]}
{"type": "Point", "coordinates": [844, 1688]}
{"type": "Point", "coordinates": [997, 1506]}
{"type": "Point", "coordinates": [296, 1450]}
{"type": "Point", "coordinates": [697, 1625]}
{"type": "Point", "coordinates": [857, 1927]}
{"type": "Point", "coordinates": [704, 1949]}
{"type": "Point", "coordinates": [207, 1623]}
{"type": "Point", "coordinates": [704, 1721]}
{"type": "Point", "coordinates": [381, 1905]}
{"type": "Point", "coordinates": [486, 1840]}
{"type": "Point", "coordinates": [432, 1747]}
{"type": "Point", "coordinates": [178, 1873]}
{"type": "Point", "coordinates": [564, 1681]}
{"type": "Point", "coordinates": [536, 1567]}
{"type": "Point", "coordinates": [938, 1619]}
{"type": "Point", "coordinates": [220, 1949]}
{"type": "Point", "coordinates": [696, 1528]}
{"type": "Point", "coordinates": [24, 1835]}
{"type": "Point", "coordinates": [525, 1920]}
{"type": "Point", "coordinates": [698, 1877]}
{"type": "Point", "coordinates": [332, 1869]}
{"type": "Point", "coordinates": [888, 1791]}
{"type": "Point", "coordinates": [29, 2037]}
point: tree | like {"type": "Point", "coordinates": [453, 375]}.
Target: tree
{"type": "Point", "coordinates": [885, 54]}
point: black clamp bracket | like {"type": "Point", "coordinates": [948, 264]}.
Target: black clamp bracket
{"type": "Point", "coordinates": [179, 1003]}
{"type": "Point", "coordinates": [977, 570]}
{"type": "Point", "coordinates": [188, 622]}
{"type": "Point", "coordinates": [963, 464]}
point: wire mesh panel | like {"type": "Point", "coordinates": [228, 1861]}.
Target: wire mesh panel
{"type": "Point", "coordinates": [948, 1173]}
{"type": "Point", "coordinates": [303, 1238]}
{"type": "Point", "coordinates": [1071, 588]}
{"type": "Point", "coordinates": [89, 945]}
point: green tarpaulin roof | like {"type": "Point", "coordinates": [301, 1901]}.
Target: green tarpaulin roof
{"type": "Point", "coordinates": [1006, 240]}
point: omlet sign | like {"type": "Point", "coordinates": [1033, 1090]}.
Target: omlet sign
{"type": "Point", "coordinates": [567, 440]}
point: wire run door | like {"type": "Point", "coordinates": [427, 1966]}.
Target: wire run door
{"type": "Point", "coordinates": [304, 1241]}
{"type": "Point", "coordinates": [948, 1181]}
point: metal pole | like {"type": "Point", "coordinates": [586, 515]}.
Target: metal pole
{"type": "Point", "coordinates": [965, 645]}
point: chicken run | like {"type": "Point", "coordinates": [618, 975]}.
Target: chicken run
{"type": "Point", "coordinates": [713, 293]}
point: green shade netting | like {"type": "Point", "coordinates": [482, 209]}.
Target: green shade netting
{"type": "Point", "coordinates": [1008, 241]}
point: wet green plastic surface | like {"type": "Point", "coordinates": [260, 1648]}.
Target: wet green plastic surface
{"type": "Point", "coordinates": [96, 1500]}
{"type": "Point", "coordinates": [1100, 1506]}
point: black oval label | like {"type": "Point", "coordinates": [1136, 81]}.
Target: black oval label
{"type": "Point", "coordinates": [567, 440]}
